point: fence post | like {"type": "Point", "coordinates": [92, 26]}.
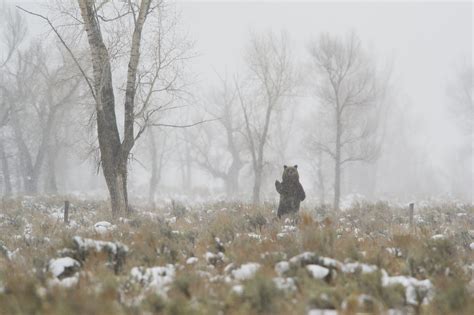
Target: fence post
{"type": "Point", "coordinates": [411, 211]}
{"type": "Point", "coordinates": [66, 211]}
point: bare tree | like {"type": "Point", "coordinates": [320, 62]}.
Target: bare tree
{"type": "Point", "coordinates": [462, 110]}
{"type": "Point", "coordinates": [38, 91]}
{"type": "Point", "coordinates": [316, 158]}
{"type": "Point", "coordinates": [114, 151]}
{"type": "Point", "coordinates": [159, 149]}
{"type": "Point", "coordinates": [217, 147]}
{"type": "Point", "coordinates": [460, 93]}
{"type": "Point", "coordinates": [13, 33]}
{"type": "Point", "coordinates": [14, 30]}
{"type": "Point", "coordinates": [4, 160]}
{"type": "Point", "coordinates": [271, 79]}
{"type": "Point", "coordinates": [116, 32]}
{"type": "Point", "coordinates": [5, 171]}
{"type": "Point", "coordinates": [350, 94]}
{"type": "Point", "coordinates": [186, 161]}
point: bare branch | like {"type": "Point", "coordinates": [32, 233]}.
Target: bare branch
{"type": "Point", "coordinates": [65, 46]}
{"type": "Point", "coordinates": [183, 126]}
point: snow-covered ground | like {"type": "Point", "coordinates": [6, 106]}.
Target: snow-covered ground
{"type": "Point", "coordinates": [211, 253]}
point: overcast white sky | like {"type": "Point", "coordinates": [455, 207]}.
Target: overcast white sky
{"type": "Point", "coordinates": [426, 41]}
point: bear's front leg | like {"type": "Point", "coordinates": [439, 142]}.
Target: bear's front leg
{"type": "Point", "coordinates": [301, 193]}
{"type": "Point", "coordinates": [278, 186]}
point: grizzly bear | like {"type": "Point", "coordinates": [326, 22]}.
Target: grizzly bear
{"type": "Point", "coordinates": [291, 191]}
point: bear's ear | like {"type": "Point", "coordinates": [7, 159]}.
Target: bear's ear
{"type": "Point", "coordinates": [284, 166]}
{"type": "Point", "coordinates": [296, 166]}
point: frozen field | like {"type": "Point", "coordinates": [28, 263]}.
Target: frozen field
{"type": "Point", "coordinates": [225, 258]}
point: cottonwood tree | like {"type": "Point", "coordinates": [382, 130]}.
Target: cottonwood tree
{"type": "Point", "coordinates": [63, 145]}
{"type": "Point", "coordinates": [271, 79]}
{"type": "Point", "coordinates": [7, 190]}
{"type": "Point", "coordinates": [461, 106]}
{"type": "Point", "coordinates": [159, 149]}
{"type": "Point", "coordinates": [185, 159]}
{"type": "Point", "coordinates": [113, 150]}
{"type": "Point", "coordinates": [350, 93]}
{"type": "Point", "coordinates": [316, 158]}
{"type": "Point", "coordinates": [460, 94]}
{"type": "Point", "coordinates": [38, 90]}
{"type": "Point", "coordinates": [14, 30]}
{"type": "Point", "coordinates": [217, 146]}
{"type": "Point", "coordinates": [7, 185]}
{"type": "Point", "coordinates": [139, 42]}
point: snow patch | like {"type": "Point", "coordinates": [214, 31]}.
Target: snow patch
{"type": "Point", "coordinates": [10, 255]}
{"type": "Point", "coordinates": [305, 258]}
{"type": "Point", "coordinates": [238, 289]}
{"type": "Point", "coordinates": [171, 220]}
{"type": "Point", "coordinates": [353, 267]}
{"type": "Point", "coordinates": [255, 236]}
{"type": "Point", "coordinates": [288, 228]}
{"type": "Point", "coordinates": [191, 260]}
{"type": "Point", "coordinates": [330, 262]}
{"type": "Point", "coordinates": [317, 271]}
{"type": "Point", "coordinates": [246, 271]}
{"type": "Point", "coordinates": [322, 312]}
{"type": "Point", "coordinates": [86, 244]}
{"type": "Point", "coordinates": [104, 227]}
{"type": "Point", "coordinates": [414, 288]}
{"type": "Point", "coordinates": [282, 267]}
{"type": "Point", "coordinates": [65, 282]}
{"type": "Point", "coordinates": [61, 265]}
{"type": "Point", "coordinates": [285, 284]}
{"type": "Point", "coordinates": [438, 237]}
{"type": "Point", "coordinates": [155, 279]}
{"type": "Point", "coordinates": [394, 251]}
{"type": "Point", "coordinates": [213, 259]}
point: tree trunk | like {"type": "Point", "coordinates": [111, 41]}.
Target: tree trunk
{"type": "Point", "coordinates": [261, 150]}
{"type": "Point", "coordinates": [117, 185]}
{"type": "Point", "coordinates": [26, 163]}
{"type": "Point", "coordinates": [337, 185]}
{"type": "Point", "coordinates": [230, 187]}
{"type": "Point", "coordinates": [154, 169]}
{"type": "Point", "coordinates": [337, 166]}
{"type": "Point", "coordinates": [113, 152]}
{"type": "Point", "coordinates": [187, 161]}
{"type": "Point", "coordinates": [31, 184]}
{"type": "Point", "coordinates": [51, 183]}
{"type": "Point", "coordinates": [258, 166]}
{"type": "Point", "coordinates": [322, 190]}
{"type": "Point", "coordinates": [32, 167]}
{"type": "Point", "coordinates": [188, 168]}
{"type": "Point", "coordinates": [20, 186]}
{"type": "Point", "coordinates": [257, 184]}
{"type": "Point", "coordinates": [30, 181]}
{"type": "Point", "coordinates": [6, 171]}
{"type": "Point", "coordinates": [232, 179]}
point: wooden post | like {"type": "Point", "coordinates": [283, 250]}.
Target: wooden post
{"type": "Point", "coordinates": [411, 211]}
{"type": "Point", "coordinates": [66, 211]}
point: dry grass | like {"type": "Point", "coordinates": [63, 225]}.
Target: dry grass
{"type": "Point", "coordinates": [32, 233]}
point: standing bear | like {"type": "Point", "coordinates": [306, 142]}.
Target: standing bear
{"type": "Point", "coordinates": [291, 191]}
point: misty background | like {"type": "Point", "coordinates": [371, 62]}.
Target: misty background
{"type": "Point", "coordinates": [421, 52]}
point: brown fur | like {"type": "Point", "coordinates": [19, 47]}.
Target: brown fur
{"type": "Point", "coordinates": [291, 191]}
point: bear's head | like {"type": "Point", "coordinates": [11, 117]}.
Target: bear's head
{"type": "Point", "coordinates": [290, 173]}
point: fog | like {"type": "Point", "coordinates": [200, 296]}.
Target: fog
{"type": "Point", "coordinates": [411, 132]}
